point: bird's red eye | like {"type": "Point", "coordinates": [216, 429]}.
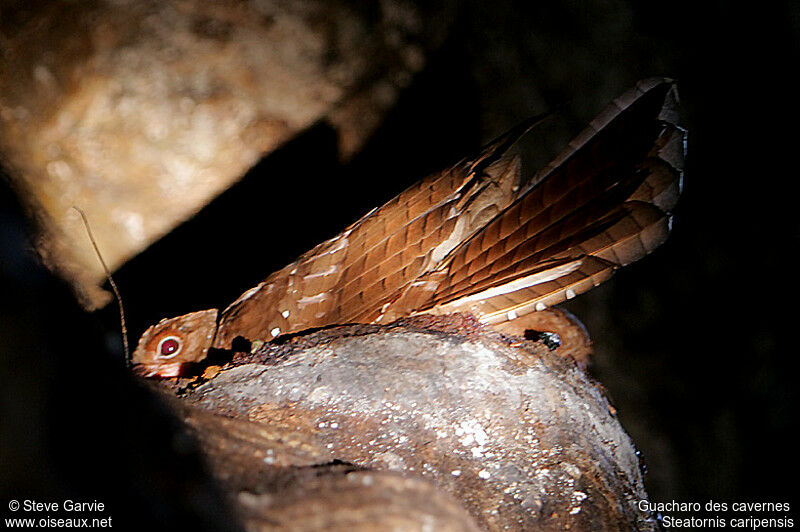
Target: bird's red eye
{"type": "Point", "coordinates": [169, 347]}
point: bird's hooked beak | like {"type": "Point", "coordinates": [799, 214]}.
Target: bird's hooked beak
{"type": "Point", "coordinates": [171, 347]}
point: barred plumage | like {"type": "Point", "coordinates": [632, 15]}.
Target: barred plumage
{"type": "Point", "coordinates": [476, 238]}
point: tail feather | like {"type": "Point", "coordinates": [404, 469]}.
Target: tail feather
{"type": "Point", "coordinates": [603, 203]}
{"type": "Point", "coordinates": [587, 273]}
{"type": "Point", "coordinates": [667, 114]}
{"type": "Point", "coordinates": [643, 228]}
{"type": "Point", "coordinates": [664, 166]}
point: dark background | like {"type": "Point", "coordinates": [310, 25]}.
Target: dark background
{"type": "Point", "coordinates": [693, 343]}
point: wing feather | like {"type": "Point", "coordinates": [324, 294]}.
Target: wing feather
{"type": "Point", "coordinates": [377, 258]}
{"type": "Point", "coordinates": [603, 201]}
{"type": "Point", "coordinates": [470, 238]}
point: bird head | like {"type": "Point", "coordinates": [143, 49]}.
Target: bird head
{"type": "Point", "coordinates": [169, 348]}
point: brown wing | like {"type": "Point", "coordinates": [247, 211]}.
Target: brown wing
{"type": "Point", "coordinates": [374, 260]}
{"type": "Point", "coordinates": [601, 204]}
{"type": "Point", "coordinates": [466, 239]}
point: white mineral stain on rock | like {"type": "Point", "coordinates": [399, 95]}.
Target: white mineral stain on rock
{"type": "Point", "coordinates": [477, 452]}
{"type": "Point", "coordinates": [571, 469]}
{"type": "Point", "coordinates": [392, 460]}
{"type": "Point", "coordinates": [472, 432]}
{"type": "Point", "coordinates": [577, 498]}
{"type": "Point", "coordinates": [320, 394]}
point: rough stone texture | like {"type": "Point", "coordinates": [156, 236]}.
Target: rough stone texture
{"type": "Point", "coordinates": [520, 436]}
{"type": "Point", "coordinates": [141, 112]}
{"type": "Point", "coordinates": [363, 501]}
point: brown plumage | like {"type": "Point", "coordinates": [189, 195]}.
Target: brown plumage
{"type": "Point", "coordinates": [476, 238]}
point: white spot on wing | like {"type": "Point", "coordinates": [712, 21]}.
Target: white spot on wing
{"type": "Point", "coordinates": [429, 286]}
{"type": "Point", "coordinates": [309, 300]}
{"type": "Point", "coordinates": [540, 306]}
{"type": "Point", "coordinates": [275, 332]}
{"type": "Point", "coordinates": [285, 313]}
{"type": "Point", "coordinates": [512, 315]}
{"type": "Point", "coordinates": [570, 293]}
{"type": "Point", "coordinates": [329, 271]}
